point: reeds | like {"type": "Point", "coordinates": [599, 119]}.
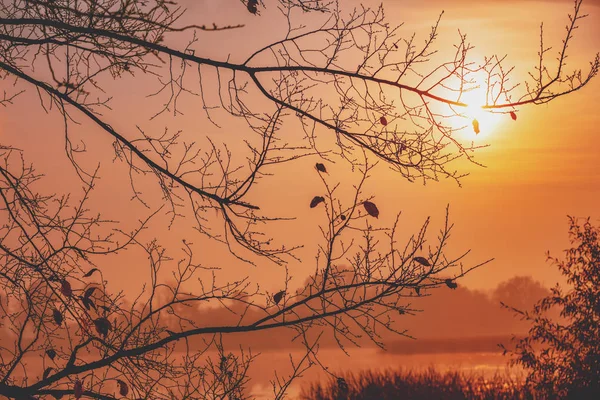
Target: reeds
{"type": "Point", "coordinates": [415, 385]}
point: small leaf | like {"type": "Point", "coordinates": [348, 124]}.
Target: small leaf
{"type": "Point", "coordinates": [65, 288]}
{"type": "Point", "coordinates": [88, 303]}
{"type": "Point", "coordinates": [371, 209]}
{"type": "Point", "coordinates": [102, 326]}
{"type": "Point", "coordinates": [316, 201]}
{"type": "Point", "coordinates": [51, 353]}
{"type": "Point", "coordinates": [451, 284]}
{"type": "Point", "coordinates": [278, 296]}
{"type": "Point", "coordinates": [476, 126]}
{"type": "Point", "coordinates": [90, 272]}
{"type": "Point", "coordinates": [423, 261]}
{"type": "Point", "coordinates": [383, 120]}
{"type": "Point", "coordinates": [513, 115]}
{"type": "Point", "coordinates": [57, 396]}
{"type": "Point", "coordinates": [78, 389]}
{"type": "Point", "coordinates": [418, 290]}
{"type": "Point", "coordinates": [46, 373]}
{"type": "Point", "coordinates": [123, 388]}
{"type": "Point", "coordinates": [89, 292]}
{"type": "Point", "coordinates": [321, 167]}
{"type": "Point", "coordinates": [58, 318]}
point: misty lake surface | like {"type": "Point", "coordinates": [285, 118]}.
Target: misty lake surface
{"type": "Point", "coordinates": [486, 363]}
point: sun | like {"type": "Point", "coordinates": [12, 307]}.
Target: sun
{"type": "Point", "coordinates": [476, 117]}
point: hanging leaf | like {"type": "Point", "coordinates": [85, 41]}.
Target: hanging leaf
{"type": "Point", "coordinates": [316, 201]}
{"type": "Point", "coordinates": [78, 389]}
{"type": "Point", "coordinates": [88, 303]}
{"type": "Point", "coordinates": [513, 115]}
{"type": "Point", "coordinates": [57, 396]}
{"type": "Point", "coordinates": [51, 353]}
{"type": "Point", "coordinates": [451, 284]}
{"type": "Point", "coordinates": [102, 326]}
{"type": "Point", "coordinates": [123, 388]}
{"type": "Point", "coordinates": [418, 290]}
{"type": "Point", "coordinates": [423, 261]}
{"type": "Point", "coordinates": [90, 272]}
{"type": "Point", "coordinates": [58, 318]}
{"type": "Point", "coordinates": [476, 126]}
{"type": "Point", "coordinates": [383, 120]}
{"type": "Point", "coordinates": [278, 296]}
{"type": "Point", "coordinates": [371, 209]}
{"type": "Point", "coordinates": [88, 292]}
{"type": "Point", "coordinates": [46, 372]}
{"type": "Point", "coordinates": [321, 167]}
{"type": "Point", "coordinates": [65, 288]}
{"type": "Point", "coordinates": [252, 6]}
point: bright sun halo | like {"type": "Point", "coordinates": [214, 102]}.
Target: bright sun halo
{"type": "Point", "coordinates": [487, 121]}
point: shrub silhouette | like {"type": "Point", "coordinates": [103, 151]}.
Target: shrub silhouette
{"type": "Point", "coordinates": [562, 353]}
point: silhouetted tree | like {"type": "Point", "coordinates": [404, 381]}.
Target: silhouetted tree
{"type": "Point", "coordinates": [358, 93]}
{"type": "Point", "coordinates": [562, 354]}
{"type": "Point", "coordinates": [520, 292]}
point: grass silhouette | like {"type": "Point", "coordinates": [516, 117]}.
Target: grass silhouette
{"type": "Point", "coordinates": [416, 385]}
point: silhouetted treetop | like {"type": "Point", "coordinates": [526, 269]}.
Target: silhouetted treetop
{"type": "Point", "coordinates": [562, 353]}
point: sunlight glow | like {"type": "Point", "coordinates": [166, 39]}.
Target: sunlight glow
{"type": "Point", "coordinates": [487, 121]}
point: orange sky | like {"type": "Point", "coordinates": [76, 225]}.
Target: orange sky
{"type": "Point", "coordinates": [539, 168]}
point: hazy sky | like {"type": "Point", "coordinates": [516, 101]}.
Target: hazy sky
{"type": "Point", "coordinates": [539, 169]}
